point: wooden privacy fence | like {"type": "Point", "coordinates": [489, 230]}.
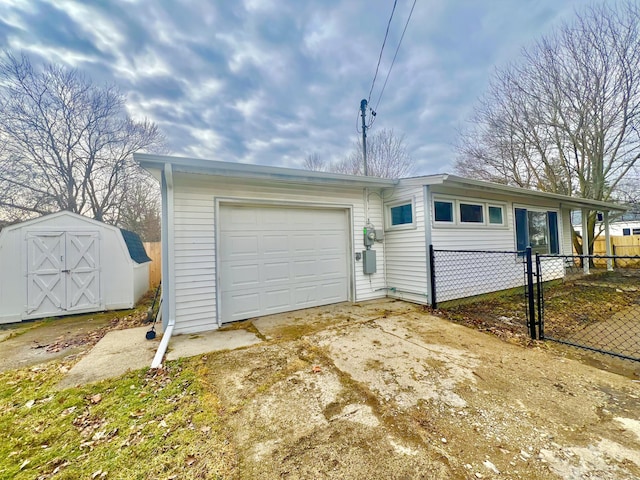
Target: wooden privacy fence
{"type": "Point", "coordinates": [624, 246]}
{"type": "Point", "coordinates": [154, 250]}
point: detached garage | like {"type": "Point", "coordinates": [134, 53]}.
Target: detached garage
{"type": "Point", "coordinates": [64, 263]}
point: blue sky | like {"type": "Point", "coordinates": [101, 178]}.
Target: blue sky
{"type": "Point", "coordinates": [272, 81]}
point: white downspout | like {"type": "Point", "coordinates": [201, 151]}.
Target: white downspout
{"type": "Point", "coordinates": [168, 265]}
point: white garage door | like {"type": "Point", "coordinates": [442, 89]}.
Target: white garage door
{"type": "Point", "coordinates": [277, 259]}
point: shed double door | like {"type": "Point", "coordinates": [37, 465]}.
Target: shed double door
{"type": "Point", "coordinates": [63, 272]}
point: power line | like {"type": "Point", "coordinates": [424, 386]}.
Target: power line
{"type": "Point", "coordinates": [394, 57]}
{"type": "Point", "coordinates": [386, 34]}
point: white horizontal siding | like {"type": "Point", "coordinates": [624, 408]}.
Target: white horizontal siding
{"type": "Point", "coordinates": [195, 246]}
{"type": "Point", "coordinates": [405, 250]}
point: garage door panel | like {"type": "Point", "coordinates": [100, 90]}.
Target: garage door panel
{"type": "Point", "coordinates": [240, 246]}
{"type": "Point", "coordinates": [239, 218]}
{"type": "Point", "coordinates": [242, 275]}
{"type": "Point", "coordinates": [331, 267]}
{"type": "Point", "coordinates": [276, 300]}
{"type": "Point", "coordinates": [275, 272]}
{"type": "Point", "coordinates": [278, 259]}
{"type": "Point", "coordinates": [303, 244]}
{"type": "Point", "coordinates": [275, 244]}
{"type": "Point", "coordinates": [304, 270]}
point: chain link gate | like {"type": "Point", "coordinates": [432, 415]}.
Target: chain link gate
{"type": "Point", "coordinates": [584, 302]}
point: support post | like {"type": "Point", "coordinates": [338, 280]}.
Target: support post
{"type": "Point", "coordinates": [607, 241]}
{"type": "Point", "coordinates": [540, 298]}
{"type": "Point", "coordinates": [530, 295]}
{"type": "Point", "coordinates": [432, 277]}
{"type": "Point", "coordinates": [585, 241]}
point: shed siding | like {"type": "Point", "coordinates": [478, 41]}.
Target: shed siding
{"type": "Point", "coordinates": [195, 229]}
{"type": "Point", "coordinates": [405, 251]}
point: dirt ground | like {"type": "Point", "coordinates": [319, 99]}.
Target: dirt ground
{"type": "Point", "coordinates": [385, 390]}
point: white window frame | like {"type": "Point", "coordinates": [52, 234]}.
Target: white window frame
{"type": "Point", "coordinates": [503, 208]}
{"type": "Point", "coordinates": [453, 210]}
{"type": "Point", "coordinates": [398, 203]}
{"type": "Point", "coordinates": [457, 222]}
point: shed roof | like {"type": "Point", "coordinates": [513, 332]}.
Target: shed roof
{"type": "Point", "coordinates": [134, 244]}
{"type": "Point", "coordinates": [131, 239]}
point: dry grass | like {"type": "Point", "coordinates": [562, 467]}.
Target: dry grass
{"type": "Point", "coordinates": [162, 424]}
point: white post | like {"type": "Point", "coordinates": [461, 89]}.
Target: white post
{"type": "Point", "coordinates": [607, 240]}
{"type": "Point", "coordinates": [585, 241]}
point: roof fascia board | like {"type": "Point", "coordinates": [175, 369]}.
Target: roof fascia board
{"type": "Point", "coordinates": [467, 183]}
{"type": "Point", "coordinates": [243, 170]}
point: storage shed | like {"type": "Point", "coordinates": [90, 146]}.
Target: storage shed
{"type": "Point", "coordinates": [65, 263]}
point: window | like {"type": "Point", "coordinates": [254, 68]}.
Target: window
{"type": "Point", "coordinates": [471, 213]}
{"type": "Point", "coordinates": [495, 215]}
{"type": "Point", "coordinates": [626, 232]}
{"type": "Point", "coordinates": [443, 211]}
{"type": "Point", "coordinates": [538, 229]}
{"type": "Point", "coordinates": [636, 231]}
{"type": "Point", "coordinates": [401, 214]}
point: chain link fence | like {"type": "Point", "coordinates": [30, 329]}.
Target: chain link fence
{"type": "Point", "coordinates": [594, 306]}
{"type": "Point", "coordinates": [486, 289]}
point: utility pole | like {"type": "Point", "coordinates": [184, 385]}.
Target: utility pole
{"type": "Point", "coordinates": [363, 113]}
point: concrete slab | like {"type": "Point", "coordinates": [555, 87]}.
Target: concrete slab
{"type": "Point", "coordinates": [118, 352]}
{"type": "Point", "coordinates": [304, 322]}
{"type": "Point", "coordinates": [182, 346]}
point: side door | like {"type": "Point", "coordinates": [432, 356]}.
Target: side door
{"type": "Point", "coordinates": [82, 270]}
{"type": "Point", "coordinates": [46, 289]}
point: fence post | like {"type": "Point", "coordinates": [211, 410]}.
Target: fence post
{"type": "Point", "coordinates": [432, 275]}
{"type": "Point", "coordinates": [530, 297]}
{"type": "Point", "coordinates": [540, 297]}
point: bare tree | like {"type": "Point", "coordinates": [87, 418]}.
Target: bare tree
{"type": "Point", "coordinates": [387, 157]}
{"type": "Point", "coordinates": [65, 143]}
{"type": "Point", "coordinates": [140, 209]}
{"type": "Point", "coordinates": [566, 117]}
{"type": "Point", "coordinates": [315, 163]}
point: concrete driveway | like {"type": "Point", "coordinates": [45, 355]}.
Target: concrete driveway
{"type": "Point", "coordinates": [383, 389]}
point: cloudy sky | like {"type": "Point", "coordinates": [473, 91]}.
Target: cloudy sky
{"type": "Point", "coordinates": [272, 81]}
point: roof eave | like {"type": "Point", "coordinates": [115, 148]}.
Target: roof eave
{"type": "Point", "coordinates": [522, 192]}
{"type": "Point", "coordinates": [257, 172]}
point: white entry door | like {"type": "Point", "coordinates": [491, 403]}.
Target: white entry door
{"type": "Point", "coordinates": [63, 273]}
{"type": "Point", "coordinates": [277, 259]}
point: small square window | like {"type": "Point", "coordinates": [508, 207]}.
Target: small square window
{"type": "Point", "coordinates": [471, 213]}
{"type": "Point", "coordinates": [401, 214]}
{"type": "Point", "coordinates": [443, 211]}
{"type": "Point", "coordinates": [495, 215]}
{"type": "Point", "coordinates": [626, 232]}
{"type": "Point", "coordinates": [636, 231]}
